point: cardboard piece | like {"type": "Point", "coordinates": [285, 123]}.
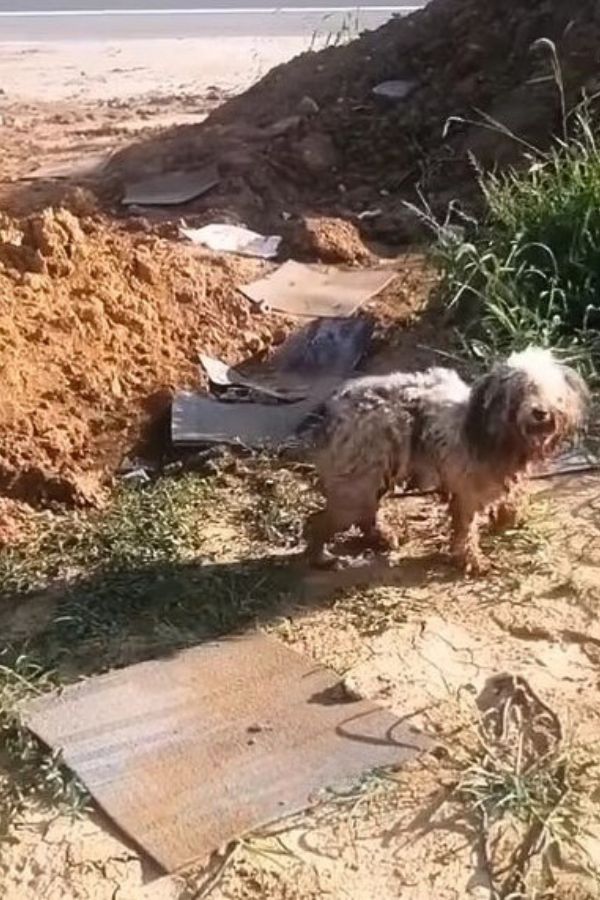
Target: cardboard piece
{"type": "Point", "coordinates": [90, 166]}
{"type": "Point", "coordinates": [316, 291]}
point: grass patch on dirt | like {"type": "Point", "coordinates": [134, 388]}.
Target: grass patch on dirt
{"type": "Point", "coordinates": [530, 271]}
{"type": "Point", "coordinates": [137, 568]}
{"type": "Point", "coordinates": [530, 793]}
{"type": "Point", "coordinates": [281, 498]}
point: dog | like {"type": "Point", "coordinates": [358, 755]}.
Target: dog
{"type": "Point", "coordinates": [474, 445]}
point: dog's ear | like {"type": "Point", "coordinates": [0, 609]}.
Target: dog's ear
{"type": "Point", "coordinates": [580, 390]}
{"type": "Point", "coordinates": [578, 401]}
{"type": "Point", "coordinates": [491, 413]}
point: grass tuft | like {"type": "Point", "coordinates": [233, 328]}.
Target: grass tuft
{"type": "Point", "coordinates": [530, 271]}
{"type": "Point", "coordinates": [29, 772]}
{"type": "Point", "coordinates": [532, 797]}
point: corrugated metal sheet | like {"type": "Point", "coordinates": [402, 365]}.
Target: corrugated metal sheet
{"type": "Point", "coordinates": [188, 752]}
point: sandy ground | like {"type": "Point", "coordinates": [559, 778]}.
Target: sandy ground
{"type": "Point", "coordinates": [94, 70]}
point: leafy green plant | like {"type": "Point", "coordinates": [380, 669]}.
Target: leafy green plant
{"type": "Point", "coordinates": [529, 271]}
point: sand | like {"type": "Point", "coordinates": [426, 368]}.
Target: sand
{"type": "Point", "coordinates": [97, 70]}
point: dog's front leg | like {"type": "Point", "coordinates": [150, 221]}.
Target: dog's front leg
{"type": "Point", "coordinates": [465, 547]}
{"type": "Point", "coordinates": [509, 512]}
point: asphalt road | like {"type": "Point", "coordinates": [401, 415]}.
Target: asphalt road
{"type": "Point", "coordinates": [33, 21]}
{"type": "Point", "coordinates": [74, 8]}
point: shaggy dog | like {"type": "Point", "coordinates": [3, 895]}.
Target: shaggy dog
{"type": "Point", "coordinates": [474, 445]}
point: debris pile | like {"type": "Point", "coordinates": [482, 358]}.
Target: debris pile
{"type": "Point", "coordinates": [321, 133]}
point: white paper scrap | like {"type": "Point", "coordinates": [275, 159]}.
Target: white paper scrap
{"type": "Point", "coordinates": [234, 239]}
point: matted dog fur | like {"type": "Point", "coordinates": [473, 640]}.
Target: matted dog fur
{"type": "Point", "coordinates": [473, 444]}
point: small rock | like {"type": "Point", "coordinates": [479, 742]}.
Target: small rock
{"type": "Point", "coordinates": [143, 269]}
{"type": "Point", "coordinates": [279, 336]}
{"type": "Point", "coordinates": [282, 126]}
{"type": "Point", "coordinates": [34, 281]}
{"type": "Point", "coordinates": [317, 153]}
{"type": "Point", "coordinates": [308, 106]}
{"type": "Point", "coordinates": [254, 729]}
{"type": "Point", "coordinates": [350, 689]}
{"type": "Point", "coordinates": [252, 342]}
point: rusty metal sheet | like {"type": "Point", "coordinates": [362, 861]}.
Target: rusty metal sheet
{"type": "Point", "coordinates": [326, 291]}
{"type": "Point", "coordinates": [188, 752]}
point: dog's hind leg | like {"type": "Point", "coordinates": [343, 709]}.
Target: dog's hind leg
{"type": "Point", "coordinates": [345, 507]}
{"type": "Point", "coordinates": [378, 536]}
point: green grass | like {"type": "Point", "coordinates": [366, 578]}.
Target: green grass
{"type": "Point", "coordinates": [281, 502]}
{"type": "Point", "coordinates": [530, 271]}
{"type": "Point", "coordinates": [136, 568]}
{"type": "Point", "coordinates": [117, 586]}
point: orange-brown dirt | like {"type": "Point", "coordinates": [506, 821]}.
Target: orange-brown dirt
{"type": "Point", "coordinates": [97, 326]}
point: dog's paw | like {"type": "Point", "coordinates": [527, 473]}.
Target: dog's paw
{"type": "Point", "coordinates": [324, 561]}
{"type": "Point", "coordinates": [476, 565]}
{"type": "Point", "coordinates": [506, 519]}
{"type": "Point", "coordinates": [472, 564]}
{"type": "Point", "coordinates": [382, 541]}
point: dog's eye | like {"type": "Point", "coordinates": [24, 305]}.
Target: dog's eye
{"type": "Point", "coordinates": [539, 414]}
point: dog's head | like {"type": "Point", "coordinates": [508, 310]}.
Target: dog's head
{"type": "Point", "coordinates": [525, 407]}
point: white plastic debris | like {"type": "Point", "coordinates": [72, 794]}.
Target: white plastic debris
{"type": "Point", "coordinates": [367, 214]}
{"type": "Point", "coordinates": [394, 90]}
{"type": "Point", "coordinates": [136, 476]}
{"type": "Point", "coordinates": [234, 239]}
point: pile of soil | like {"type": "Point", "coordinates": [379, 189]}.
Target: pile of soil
{"type": "Point", "coordinates": [97, 326]}
{"type": "Point", "coordinates": [312, 137]}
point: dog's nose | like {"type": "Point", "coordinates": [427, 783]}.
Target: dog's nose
{"type": "Point", "coordinates": [539, 414]}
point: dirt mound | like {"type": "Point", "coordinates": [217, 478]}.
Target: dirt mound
{"type": "Point", "coordinates": [97, 326]}
{"type": "Point", "coordinates": [328, 240]}
{"type": "Point", "coordinates": [312, 136]}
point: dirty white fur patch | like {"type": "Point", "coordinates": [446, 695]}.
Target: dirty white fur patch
{"type": "Point", "coordinates": [542, 369]}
